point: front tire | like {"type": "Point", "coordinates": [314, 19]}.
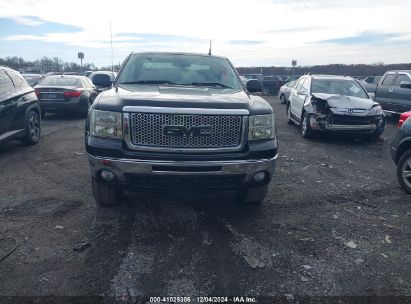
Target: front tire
{"type": "Point", "coordinates": [282, 99]}
{"type": "Point", "coordinates": [33, 129]}
{"type": "Point", "coordinates": [254, 195]}
{"type": "Point", "coordinates": [105, 195]}
{"type": "Point", "coordinates": [306, 130]}
{"type": "Point", "coordinates": [404, 171]}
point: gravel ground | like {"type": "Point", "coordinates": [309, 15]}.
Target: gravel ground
{"type": "Point", "coordinates": [335, 223]}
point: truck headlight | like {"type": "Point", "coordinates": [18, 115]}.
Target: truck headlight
{"type": "Point", "coordinates": [105, 124]}
{"type": "Point", "coordinates": [261, 127]}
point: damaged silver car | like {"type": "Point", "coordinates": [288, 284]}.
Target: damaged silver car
{"type": "Point", "coordinates": [323, 103]}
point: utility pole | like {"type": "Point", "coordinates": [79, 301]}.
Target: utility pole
{"type": "Point", "coordinates": [111, 39]}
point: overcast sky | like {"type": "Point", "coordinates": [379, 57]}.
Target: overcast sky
{"type": "Point", "coordinates": [249, 32]}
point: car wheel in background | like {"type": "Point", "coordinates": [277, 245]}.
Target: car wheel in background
{"type": "Point", "coordinates": [33, 129]}
{"type": "Point", "coordinates": [105, 195]}
{"type": "Point", "coordinates": [404, 171]}
{"type": "Point", "coordinates": [43, 114]}
{"type": "Point", "coordinates": [282, 99]}
{"type": "Point", "coordinates": [306, 130]}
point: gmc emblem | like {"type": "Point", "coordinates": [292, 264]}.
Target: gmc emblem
{"type": "Point", "coordinates": [181, 131]}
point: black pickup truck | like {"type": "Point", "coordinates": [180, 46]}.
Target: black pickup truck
{"type": "Point", "coordinates": [180, 122]}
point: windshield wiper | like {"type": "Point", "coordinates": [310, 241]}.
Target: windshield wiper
{"type": "Point", "coordinates": [148, 82]}
{"type": "Point", "coordinates": [211, 84]}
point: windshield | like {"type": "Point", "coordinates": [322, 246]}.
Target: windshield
{"type": "Point", "coordinates": [60, 81]}
{"type": "Point", "coordinates": [178, 69]}
{"type": "Point", "coordinates": [339, 87]}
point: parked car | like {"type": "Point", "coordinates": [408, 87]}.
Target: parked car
{"type": "Point", "coordinates": [102, 79]}
{"type": "Point", "coordinates": [243, 80]}
{"type": "Point", "coordinates": [59, 93]}
{"type": "Point", "coordinates": [19, 109]}
{"type": "Point", "coordinates": [325, 103]}
{"type": "Point", "coordinates": [401, 151]}
{"type": "Point", "coordinates": [180, 122]}
{"type": "Point", "coordinates": [284, 92]}
{"type": "Point", "coordinates": [85, 73]}
{"type": "Point", "coordinates": [272, 84]}
{"type": "Point", "coordinates": [370, 83]}
{"type": "Point", "coordinates": [393, 92]}
{"type": "Point", "coordinates": [33, 79]}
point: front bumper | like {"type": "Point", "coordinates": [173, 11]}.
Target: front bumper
{"type": "Point", "coordinates": [209, 175]}
{"type": "Point", "coordinates": [321, 122]}
{"type": "Point", "coordinates": [78, 104]}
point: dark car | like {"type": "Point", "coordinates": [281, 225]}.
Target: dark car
{"type": "Point", "coordinates": [19, 109]}
{"type": "Point", "coordinates": [58, 93]}
{"type": "Point", "coordinates": [183, 123]}
{"type": "Point", "coordinates": [325, 103]}
{"type": "Point", "coordinates": [401, 151]}
{"type": "Point", "coordinates": [370, 83]}
{"type": "Point", "coordinates": [393, 91]}
{"type": "Point", "coordinates": [102, 79]}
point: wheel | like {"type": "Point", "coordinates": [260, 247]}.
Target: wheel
{"type": "Point", "coordinates": [266, 91]}
{"type": "Point", "coordinates": [404, 171]}
{"type": "Point", "coordinates": [33, 129]}
{"type": "Point", "coordinates": [306, 130]}
{"type": "Point", "coordinates": [374, 136]}
{"type": "Point", "coordinates": [105, 195]}
{"type": "Point", "coordinates": [43, 114]}
{"type": "Point", "coordinates": [254, 195]}
{"type": "Point", "coordinates": [289, 121]}
{"type": "Point", "coordinates": [282, 99]}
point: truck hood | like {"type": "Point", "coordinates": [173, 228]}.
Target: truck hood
{"type": "Point", "coordinates": [179, 97]}
{"type": "Point", "coordinates": [345, 102]}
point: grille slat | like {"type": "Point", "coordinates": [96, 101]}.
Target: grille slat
{"type": "Point", "coordinates": [147, 129]}
{"type": "Point", "coordinates": [351, 120]}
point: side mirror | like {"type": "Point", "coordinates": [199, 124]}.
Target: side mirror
{"type": "Point", "coordinates": [102, 80]}
{"type": "Point", "coordinates": [254, 85]}
{"type": "Point", "coordinates": [405, 84]}
{"type": "Point", "coordinates": [372, 95]}
{"type": "Point", "coordinates": [301, 92]}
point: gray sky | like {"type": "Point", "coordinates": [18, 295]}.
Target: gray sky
{"type": "Point", "coordinates": [250, 33]}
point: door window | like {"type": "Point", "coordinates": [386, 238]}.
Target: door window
{"type": "Point", "coordinates": [388, 79]}
{"type": "Point", "coordinates": [6, 85]}
{"type": "Point", "coordinates": [401, 77]}
{"type": "Point", "coordinates": [18, 80]}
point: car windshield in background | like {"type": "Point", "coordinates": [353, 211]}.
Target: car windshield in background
{"type": "Point", "coordinates": [175, 69]}
{"type": "Point", "coordinates": [338, 87]}
{"type": "Point", "coordinates": [60, 81]}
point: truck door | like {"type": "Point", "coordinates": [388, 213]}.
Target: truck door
{"type": "Point", "coordinates": [401, 96]}
{"type": "Point", "coordinates": [8, 102]}
{"type": "Point", "coordinates": [384, 93]}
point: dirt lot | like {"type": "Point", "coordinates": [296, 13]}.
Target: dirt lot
{"type": "Point", "coordinates": [335, 222]}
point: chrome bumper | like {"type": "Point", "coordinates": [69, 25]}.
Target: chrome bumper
{"type": "Point", "coordinates": [150, 167]}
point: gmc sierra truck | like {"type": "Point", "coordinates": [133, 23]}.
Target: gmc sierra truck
{"type": "Point", "coordinates": [393, 92]}
{"type": "Point", "coordinates": [180, 122]}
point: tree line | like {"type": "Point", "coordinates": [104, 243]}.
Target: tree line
{"type": "Point", "coordinates": [44, 65]}
{"type": "Point", "coordinates": [334, 69]}
{"type": "Point", "coordinates": [55, 64]}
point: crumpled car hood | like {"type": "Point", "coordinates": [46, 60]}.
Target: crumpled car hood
{"type": "Point", "coordinates": [345, 102]}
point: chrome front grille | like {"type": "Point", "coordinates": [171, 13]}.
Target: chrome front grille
{"type": "Point", "coordinates": [222, 131]}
